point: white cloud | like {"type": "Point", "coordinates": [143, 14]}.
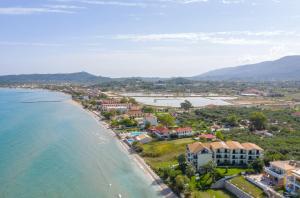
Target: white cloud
{"type": "Point", "coordinates": [33, 44]}
{"type": "Point", "coordinates": [31, 10]}
{"type": "Point", "coordinates": [232, 1]}
{"type": "Point", "coordinates": [110, 3]}
{"type": "Point", "coordinates": [226, 38]}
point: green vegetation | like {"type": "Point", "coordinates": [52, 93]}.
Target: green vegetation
{"type": "Point", "coordinates": [166, 119]}
{"type": "Point", "coordinates": [160, 154]}
{"type": "Point", "coordinates": [186, 105]}
{"type": "Point", "coordinates": [258, 121]}
{"type": "Point", "coordinates": [285, 128]}
{"type": "Point", "coordinates": [212, 194]}
{"type": "Point", "coordinates": [246, 186]}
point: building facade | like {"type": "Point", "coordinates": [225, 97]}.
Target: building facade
{"type": "Point", "coordinates": [223, 153]}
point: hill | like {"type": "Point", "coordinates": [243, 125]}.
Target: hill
{"type": "Point", "coordinates": [284, 69]}
{"type": "Point", "coordinates": [75, 78]}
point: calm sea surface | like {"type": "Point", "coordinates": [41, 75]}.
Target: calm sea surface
{"type": "Point", "coordinates": [52, 148]}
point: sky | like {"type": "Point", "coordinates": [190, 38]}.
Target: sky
{"type": "Point", "coordinates": [150, 38]}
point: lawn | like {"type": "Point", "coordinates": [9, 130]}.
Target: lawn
{"type": "Point", "coordinates": [212, 194]}
{"type": "Point", "coordinates": [246, 186]}
{"type": "Point", "coordinates": [231, 171]}
{"type": "Point", "coordinates": [160, 154]}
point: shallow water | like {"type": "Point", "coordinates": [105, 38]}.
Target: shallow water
{"type": "Point", "coordinates": [52, 148]}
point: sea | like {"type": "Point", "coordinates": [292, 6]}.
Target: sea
{"type": "Point", "coordinates": [51, 148]}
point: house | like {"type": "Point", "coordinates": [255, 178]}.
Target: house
{"type": "Point", "coordinates": [293, 182]}
{"type": "Point", "coordinates": [296, 114]}
{"type": "Point", "coordinates": [161, 131]}
{"type": "Point", "coordinates": [114, 107]}
{"type": "Point", "coordinates": [228, 153]}
{"type": "Point", "coordinates": [209, 137]}
{"type": "Point", "coordinates": [150, 119]}
{"type": "Point", "coordinates": [135, 113]}
{"type": "Point", "coordinates": [143, 138]}
{"type": "Point", "coordinates": [183, 132]}
{"type": "Point", "coordinates": [198, 154]}
{"type": "Point", "coordinates": [215, 127]}
{"type": "Point", "coordinates": [278, 172]}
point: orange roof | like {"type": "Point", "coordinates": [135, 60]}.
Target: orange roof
{"type": "Point", "coordinates": [196, 147]}
{"type": "Point", "coordinates": [234, 145]}
{"type": "Point", "coordinates": [218, 145]}
{"type": "Point", "coordinates": [284, 165]}
{"type": "Point", "coordinates": [250, 146]}
{"type": "Point", "coordinates": [183, 129]}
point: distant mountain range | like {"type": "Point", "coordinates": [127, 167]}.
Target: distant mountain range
{"type": "Point", "coordinates": [76, 78]}
{"type": "Point", "coordinates": [284, 69]}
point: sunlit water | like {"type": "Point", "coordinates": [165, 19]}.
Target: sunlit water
{"type": "Point", "coordinates": [52, 148]}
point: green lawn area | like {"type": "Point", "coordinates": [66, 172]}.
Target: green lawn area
{"type": "Point", "coordinates": [160, 154]}
{"type": "Point", "coordinates": [246, 186]}
{"type": "Point", "coordinates": [231, 171]}
{"type": "Point", "coordinates": [212, 194]}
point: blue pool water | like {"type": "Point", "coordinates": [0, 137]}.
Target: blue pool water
{"type": "Point", "coordinates": [50, 148]}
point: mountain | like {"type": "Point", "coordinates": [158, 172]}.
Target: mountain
{"type": "Point", "coordinates": [284, 69]}
{"type": "Point", "coordinates": [76, 78]}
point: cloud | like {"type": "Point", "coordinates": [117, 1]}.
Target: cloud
{"type": "Point", "coordinates": [184, 1]}
{"type": "Point", "coordinates": [228, 38]}
{"type": "Point", "coordinates": [32, 44]}
{"type": "Point", "coordinates": [232, 1]}
{"type": "Point", "coordinates": [109, 3]}
{"type": "Point", "coordinates": [31, 10]}
{"type": "Point", "coordinates": [65, 6]}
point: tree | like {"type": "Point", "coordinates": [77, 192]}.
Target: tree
{"type": "Point", "coordinates": [124, 100]}
{"type": "Point", "coordinates": [107, 115]}
{"type": "Point", "coordinates": [190, 171]}
{"type": "Point", "coordinates": [182, 162]}
{"type": "Point", "coordinates": [166, 119]}
{"type": "Point", "coordinates": [181, 182]}
{"type": "Point", "coordinates": [211, 168]}
{"type": "Point", "coordinates": [258, 121]}
{"type": "Point", "coordinates": [147, 125]}
{"type": "Point", "coordinates": [137, 146]}
{"type": "Point", "coordinates": [257, 165]}
{"type": "Point", "coordinates": [186, 105]}
{"type": "Point", "coordinates": [219, 135]}
{"type": "Point", "coordinates": [147, 109]}
{"type": "Point", "coordinates": [232, 120]}
{"type": "Point", "coordinates": [132, 101]}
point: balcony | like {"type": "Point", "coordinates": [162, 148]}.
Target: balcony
{"type": "Point", "coordinates": [273, 173]}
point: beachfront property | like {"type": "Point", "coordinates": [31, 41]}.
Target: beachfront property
{"type": "Point", "coordinates": [160, 131]}
{"type": "Point", "coordinates": [135, 136]}
{"type": "Point", "coordinates": [165, 133]}
{"type": "Point", "coordinates": [143, 138]}
{"type": "Point", "coordinates": [152, 119]}
{"type": "Point", "coordinates": [183, 132]}
{"type": "Point", "coordinates": [114, 107]}
{"type": "Point", "coordinates": [207, 137]}
{"type": "Point", "coordinates": [293, 182]}
{"type": "Point", "coordinates": [222, 153]}
{"type": "Point", "coordinates": [278, 173]}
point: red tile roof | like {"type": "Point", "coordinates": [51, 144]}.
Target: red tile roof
{"type": "Point", "coordinates": [207, 136]}
{"type": "Point", "coordinates": [178, 130]}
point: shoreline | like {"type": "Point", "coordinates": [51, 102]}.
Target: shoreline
{"type": "Point", "coordinates": [160, 186]}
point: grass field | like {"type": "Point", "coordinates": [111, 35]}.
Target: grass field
{"type": "Point", "coordinates": [160, 154]}
{"type": "Point", "coordinates": [231, 171]}
{"type": "Point", "coordinates": [246, 186]}
{"type": "Point", "coordinates": [212, 194]}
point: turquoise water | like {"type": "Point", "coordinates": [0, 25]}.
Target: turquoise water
{"type": "Point", "coordinates": [52, 148]}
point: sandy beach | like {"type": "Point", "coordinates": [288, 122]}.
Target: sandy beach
{"type": "Point", "coordinates": [162, 188]}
